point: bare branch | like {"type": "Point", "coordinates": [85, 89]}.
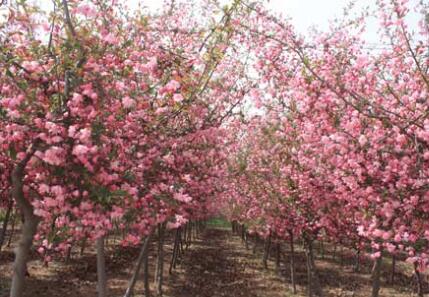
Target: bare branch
{"type": "Point", "coordinates": [52, 27]}
{"type": "Point", "coordinates": [67, 18]}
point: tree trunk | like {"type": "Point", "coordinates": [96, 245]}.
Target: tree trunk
{"type": "Point", "coordinates": [83, 246]}
{"type": "Point", "coordinates": [189, 234]}
{"type": "Point", "coordinates": [68, 255]}
{"type": "Point", "coordinates": [140, 260]}
{"type": "Point", "coordinates": [246, 240]}
{"type": "Point", "coordinates": [255, 245]}
{"type": "Point", "coordinates": [357, 261]}
{"type": "Point", "coordinates": [29, 227]}
{"type": "Point", "coordinates": [314, 288]}
{"type": "Point", "coordinates": [267, 248]}
{"type": "Point", "coordinates": [200, 227]}
{"type": "Point", "coordinates": [185, 230]}
{"type": "Point", "coordinates": [244, 236]}
{"type": "Point", "coordinates": [418, 280]}
{"type": "Point", "coordinates": [106, 241]}
{"type": "Point", "coordinates": [375, 276]}
{"type": "Point", "coordinates": [278, 257]}
{"type": "Point", "coordinates": [179, 248]}
{"type": "Point", "coordinates": [182, 251]}
{"type": "Point", "coordinates": [393, 272]}
{"type": "Point", "coordinates": [101, 268]}
{"type": "Point", "coordinates": [12, 232]}
{"type": "Point", "coordinates": [175, 251]}
{"type": "Point", "coordinates": [160, 260]}
{"type": "Point", "coordinates": [6, 222]}
{"type": "Point", "coordinates": [322, 247]}
{"type": "Point", "coordinates": [292, 263]}
{"type": "Point", "coordinates": [146, 274]}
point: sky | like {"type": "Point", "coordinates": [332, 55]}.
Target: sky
{"type": "Point", "coordinates": [304, 14]}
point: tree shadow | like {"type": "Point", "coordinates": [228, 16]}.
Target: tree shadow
{"type": "Point", "coordinates": [210, 268]}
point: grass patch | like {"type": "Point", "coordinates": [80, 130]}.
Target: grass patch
{"type": "Point", "coordinates": [218, 223]}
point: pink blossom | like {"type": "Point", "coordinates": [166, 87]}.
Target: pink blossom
{"type": "Point", "coordinates": [110, 39]}
{"type": "Point", "coordinates": [86, 10]}
{"type": "Point", "coordinates": [178, 97]}
{"type": "Point", "coordinates": [128, 102]}
{"type": "Point", "coordinates": [86, 206]}
{"type": "Point", "coordinates": [376, 255]}
{"type": "Point", "coordinates": [171, 225]}
{"type": "Point", "coordinates": [31, 66]}
{"type": "Point", "coordinates": [49, 202]}
{"type": "Point", "coordinates": [378, 233]}
{"type": "Point", "coordinates": [182, 197]}
{"type": "Point", "coordinates": [171, 87]}
{"type": "Point", "coordinates": [85, 135]}
{"type": "Point", "coordinates": [80, 150]}
{"type": "Point", "coordinates": [44, 189]}
{"type": "Point", "coordinates": [391, 248]}
{"type": "Point", "coordinates": [362, 140]}
{"type": "Point", "coordinates": [386, 235]}
{"type": "Point", "coordinates": [54, 156]}
{"type": "Point", "coordinates": [72, 131]}
{"type": "Point", "coordinates": [77, 98]}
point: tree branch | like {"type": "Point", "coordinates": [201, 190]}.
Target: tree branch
{"type": "Point", "coordinates": [67, 18]}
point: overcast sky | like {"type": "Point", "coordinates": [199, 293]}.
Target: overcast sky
{"type": "Point", "coordinates": [306, 14]}
{"type": "Point", "coordinates": [303, 13]}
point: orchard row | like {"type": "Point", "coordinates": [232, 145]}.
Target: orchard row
{"type": "Point", "coordinates": [117, 120]}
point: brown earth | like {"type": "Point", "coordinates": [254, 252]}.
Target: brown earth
{"type": "Point", "coordinates": [216, 264]}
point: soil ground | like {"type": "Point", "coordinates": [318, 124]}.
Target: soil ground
{"type": "Point", "coordinates": [217, 263]}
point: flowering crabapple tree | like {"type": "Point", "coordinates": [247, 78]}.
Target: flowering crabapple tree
{"type": "Point", "coordinates": [104, 124]}
{"type": "Point", "coordinates": [359, 121]}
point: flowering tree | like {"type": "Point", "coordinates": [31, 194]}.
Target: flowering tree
{"type": "Point", "coordinates": [104, 123]}
{"type": "Point", "coordinates": [119, 120]}
{"type": "Point", "coordinates": [355, 125]}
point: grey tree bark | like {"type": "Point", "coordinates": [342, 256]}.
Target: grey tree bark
{"type": "Point", "coordinates": [278, 252]}
{"type": "Point", "coordinates": [146, 274]}
{"type": "Point", "coordinates": [292, 263]}
{"type": "Point", "coordinates": [393, 272]}
{"type": "Point", "coordinates": [12, 232]}
{"type": "Point", "coordinates": [83, 246]}
{"type": "Point", "coordinates": [101, 268]}
{"type": "Point", "coordinates": [6, 222]}
{"type": "Point", "coordinates": [267, 248]}
{"type": "Point", "coordinates": [314, 287]}
{"type": "Point", "coordinates": [159, 272]}
{"type": "Point", "coordinates": [29, 226]}
{"type": "Point", "coordinates": [176, 250]}
{"type": "Point", "coordinates": [418, 281]}
{"type": "Point", "coordinates": [375, 277]}
{"type": "Point", "coordinates": [140, 260]}
{"type": "Point", "coordinates": [357, 261]}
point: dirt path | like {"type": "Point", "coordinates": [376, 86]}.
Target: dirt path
{"type": "Point", "coordinates": [217, 264]}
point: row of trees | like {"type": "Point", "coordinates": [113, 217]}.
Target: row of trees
{"type": "Point", "coordinates": [111, 121]}
{"type": "Point", "coordinates": [341, 151]}
{"type": "Point", "coordinates": [116, 120]}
